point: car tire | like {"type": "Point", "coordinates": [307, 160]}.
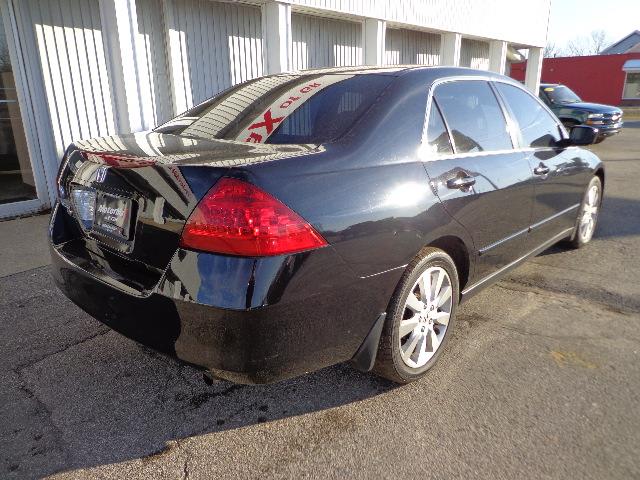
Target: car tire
{"type": "Point", "coordinates": [587, 219]}
{"type": "Point", "coordinates": [416, 332]}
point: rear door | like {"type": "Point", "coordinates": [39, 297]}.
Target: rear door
{"type": "Point", "coordinates": [483, 182]}
{"type": "Point", "coordinates": [560, 174]}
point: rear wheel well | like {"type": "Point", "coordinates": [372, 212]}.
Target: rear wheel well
{"type": "Point", "coordinates": [457, 250]}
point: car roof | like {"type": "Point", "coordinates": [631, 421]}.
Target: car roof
{"type": "Point", "coordinates": [375, 69]}
{"type": "Point", "coordinates": [425, 72]}
{"type": "Point", "coordinates": [545, 85]}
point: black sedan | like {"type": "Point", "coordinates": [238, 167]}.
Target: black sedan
{"type": "Point", "coordinates": [296, 221]}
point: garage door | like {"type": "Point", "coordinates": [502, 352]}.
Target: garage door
{"type": "Point", "coordinates": [411, 47]}
{"type": "Point", "coordinates": [321, 42]}
{"type": "Point", "coordinates": [474, 54]}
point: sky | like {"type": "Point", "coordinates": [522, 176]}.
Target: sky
{"type": "Point", "coordinates": [574, 18]}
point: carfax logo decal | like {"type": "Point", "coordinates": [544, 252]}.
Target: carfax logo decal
{"type": "Point", "coordinates": [265, 124]}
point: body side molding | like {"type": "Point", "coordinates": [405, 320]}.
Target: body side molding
{"type": "Point", "coordinates": [471, 290]}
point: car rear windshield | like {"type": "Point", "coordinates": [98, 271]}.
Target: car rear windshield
{"type": "Point", "coordinates": [283, 109]}
{"type": "Point", "coordinates": [561, 94]}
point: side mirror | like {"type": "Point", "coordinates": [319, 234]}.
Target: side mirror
{"type": "Point", "coordinates": [581, 135]}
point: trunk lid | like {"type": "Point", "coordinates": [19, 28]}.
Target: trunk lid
{"type": "Point", "coordinates": [132, 194]}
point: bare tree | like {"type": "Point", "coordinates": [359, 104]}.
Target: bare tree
{"type": "Point", "coordinates": [599, 40]}
{"type": "Point", "coordinates": [578, 46]}
{"type": "Point", "coordinates": [552, 50]}
{"type": "Point", "coordinates": [590, 45]}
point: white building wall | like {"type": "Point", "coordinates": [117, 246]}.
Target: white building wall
{"type": "Point", "coordinates": [324, 42]}
{"type": "Point", "coordinates": [411, 47]}
{"type": "Point", "coordinates": [156, 96]}
{"type": "Point", "coordinates": [496, 19]}
{"type": "Point", "coordinates": [474, 54]}
{"type": "Point", "coordinates": [218, 45]}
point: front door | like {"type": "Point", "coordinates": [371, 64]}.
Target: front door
{"type": "Point", "coordinates": [560, 175]}
{"type": "Point", "coordinates": [485, 185]}
{"type": "Point", "coordinates": [20, 187]}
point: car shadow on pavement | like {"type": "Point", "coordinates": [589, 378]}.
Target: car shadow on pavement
{"type": "Point", "coordinates": [619, 217]}
{"type": "Point", "coordinates": [103, 399]}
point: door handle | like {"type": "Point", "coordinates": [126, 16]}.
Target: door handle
{"type": "Point", "coordinates": [541, 169]}
{"type": "Point", "coordinates": [461, 182]}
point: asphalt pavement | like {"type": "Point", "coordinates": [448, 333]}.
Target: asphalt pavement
{"type": "Point", "coordinates": [541, 380]}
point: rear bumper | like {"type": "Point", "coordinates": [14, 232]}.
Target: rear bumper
{"type": "Point", "coordinates": [246, 320]}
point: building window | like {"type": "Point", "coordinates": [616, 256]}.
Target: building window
{"type": "Point", "coordinates": [632, 86]}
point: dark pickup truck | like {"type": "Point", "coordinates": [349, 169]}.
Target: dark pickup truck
{"type": "Point", "coordinates": [572, 111]}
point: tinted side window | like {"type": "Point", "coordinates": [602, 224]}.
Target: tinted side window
{"type": "Point", "coordinates": [437, 136]}
{"type": "Point", "coordinates": [537, 127]}
{"type": "Point", "coordinates": [474, 116]}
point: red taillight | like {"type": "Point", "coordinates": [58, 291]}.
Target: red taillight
{"type": "Point", "coordinates": [238, 218]}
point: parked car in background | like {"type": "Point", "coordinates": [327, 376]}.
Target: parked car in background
{"type": "Point", "coordinates": [572, 111]}
{"type": "Point", "coordinates": [300, 220]}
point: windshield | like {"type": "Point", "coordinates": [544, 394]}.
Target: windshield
{"type": "Point", "coordinates": [561, 94]}
{"type": "Point", "coordinates": [283, 109]}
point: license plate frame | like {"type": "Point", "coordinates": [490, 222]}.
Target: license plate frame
{"type": "Point", "coordinates": [113, 216]}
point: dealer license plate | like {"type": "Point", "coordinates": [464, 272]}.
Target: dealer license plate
{"type": "Point", "coordinates": [113, 216]}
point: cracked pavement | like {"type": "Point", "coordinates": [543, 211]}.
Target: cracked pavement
{"type": "Point", "coordinates": [541, 380]}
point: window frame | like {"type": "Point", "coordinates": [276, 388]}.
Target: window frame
{"type": "Point", "coordinates": [500, 107]}
{"type": "Point", "coordinates": [624, 85]}
{"type": "Point", "coordinates": [516, 126]}
{"type": "Point", "coordinates": [446, 129]}
{"type": "Point", "coordinates": [512, 124]}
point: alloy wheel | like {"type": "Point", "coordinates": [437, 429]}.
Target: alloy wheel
{"type": "Point", "coordinates": [426, 317]}
{"type": "Point", "coordinates": [589, 213]}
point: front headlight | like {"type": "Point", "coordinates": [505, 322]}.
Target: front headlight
{"type": "Point", "coordinates": [595, 119]}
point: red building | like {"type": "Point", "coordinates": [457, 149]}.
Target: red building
{"type": "Point", "coordinates": [609, 79]}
